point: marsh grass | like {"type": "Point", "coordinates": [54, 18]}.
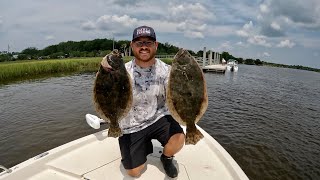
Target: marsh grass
{"type": "Point", "coordinates": [167, 60]}
{"type": "Point", "coordinates": [30, 69]}
{"type": "Point", "coordinates": [22, 70]}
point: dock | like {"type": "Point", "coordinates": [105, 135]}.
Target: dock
{"type": "Point", "coordinates": [217, 68]}
{"type": "Point", "coordinates": [212, 63]}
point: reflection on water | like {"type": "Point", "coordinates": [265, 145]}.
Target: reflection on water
{"type": "Point", "coordinates": [40, 115]}
{"type": "Point", "coordinates": [266, 118]}
{"type": "Point", "coordinates": [231, 76]}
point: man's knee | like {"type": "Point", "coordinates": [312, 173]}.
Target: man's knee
{"type": "Point", "coordinates": [135, 172]}
{"type": "Point", "coordinates": [178, 138]}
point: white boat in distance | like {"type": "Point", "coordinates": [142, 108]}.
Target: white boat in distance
{"type": "Point", "coordinates": [232, 65]}
{"type": "Point", "coordinates": [97, 157]}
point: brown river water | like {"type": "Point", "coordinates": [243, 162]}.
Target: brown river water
{"type": "Point", "coordinates": [267, 118]}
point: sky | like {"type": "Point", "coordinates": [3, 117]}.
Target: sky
{"type": "Point", "coordinates": [278, 31]}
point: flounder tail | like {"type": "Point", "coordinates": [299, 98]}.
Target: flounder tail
{"type": "Point", "coordinates": [193, 134]}
{"type": "Point", "coordinates": [114, 131]}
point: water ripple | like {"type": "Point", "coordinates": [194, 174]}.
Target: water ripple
{"type": "Point", "coordinates": [266, 118]}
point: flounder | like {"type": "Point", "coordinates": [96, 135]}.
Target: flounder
{"type": "Point", "coordinates": [187, 97]}
{"type": "Point", "coordinates": [112, 92]}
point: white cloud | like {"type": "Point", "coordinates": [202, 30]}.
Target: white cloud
{"type": "Point", "coordinates": [259, 40]}
{"type": "Point", "coordinates": [271, 29]}
{"type": "Point", "coordinates": [254, 24]}
{"type": "Point", "coordinates": [240, 43]}
{"type": "Point", "coordinates": [266, 54]}
{"type": "Point", "coordinates": [221, 30]}
{"type": "Point", "coordinates": [194, 34]}
{"type": "Point", "coordinates": [192, 29]}
{"type": "Point", "coordinates": [191, 18]}
{"type": "Point", "coordinates": [160, 26]}
{"type": "Point", "coordinates": [190, 11]}
{"type": "Point", "coordinates": [286, 43]}
{"type": "Point", "coordinates": [264, 8]}
{"type": "Point", "coordinates": [113, 21]}
{"type": "Point", "coordinates": [89, 25]}
{"type": "Point", "coordinates": [246, 30]}
{"type": "Point", "coordinates": [299, 13]}
{"type": "Point", "coordinates": [248, 26]}
{"type": "Point", "coordinates": [127, 2]}
{"type": "Point", "coordinates": [279, 18]}
{"type": "Point", "coordinates": [275, 26]}
{"type": "Point", "coordinates": [49, 37]}
{"type": "Point", "coordinates": [225, 46]}
{"type": "Point", "coordinates": [259, 17]}
{"type": "Point", "coordinates": [115, 24]}
{"type": "Point", "coordinates": [191, 26]}
{"type": "Point", "coordinates": [242, 33]}
{"type": "Point", "coordinates": [1, 21]}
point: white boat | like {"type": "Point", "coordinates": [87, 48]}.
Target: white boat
{"type": "Point", "coordinates": [232, 65]}
{"type": "Point", "coordinates": [97, 156]}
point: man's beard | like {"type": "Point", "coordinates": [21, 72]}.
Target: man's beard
{"type": "Point", "coordinates": [150, 53]}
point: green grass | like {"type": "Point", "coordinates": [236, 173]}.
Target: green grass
{"type": "Point", "coordinates": [22, 70]}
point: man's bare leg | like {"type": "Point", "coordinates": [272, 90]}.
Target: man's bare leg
{"type": "Point", "coordinates": [135, 172]}
{"type": "Point", "coordinates": [174, 144]}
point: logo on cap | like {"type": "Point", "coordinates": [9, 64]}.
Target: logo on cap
{"type": "Point", "coordinates": [143, 31]}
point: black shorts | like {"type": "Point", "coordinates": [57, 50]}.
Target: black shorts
{"type": "Point", "coordinates": [136, 146]}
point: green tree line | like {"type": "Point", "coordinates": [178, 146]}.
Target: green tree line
{"type": "Point", "coordinates": [101, 47]}
{"type": "Point", "coordinates": [86, 48]}
{"type": "Point", "coordinates": [258, 62]}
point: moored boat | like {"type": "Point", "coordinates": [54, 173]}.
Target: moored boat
{"type": "Point", "coordinates": [232, 65]}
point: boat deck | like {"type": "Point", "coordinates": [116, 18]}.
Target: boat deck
{"type": "Point", "coordinates": [98, 157]}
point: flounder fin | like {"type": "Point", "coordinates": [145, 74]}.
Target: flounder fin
{"type": "Point", "coordinates": [193, 135]}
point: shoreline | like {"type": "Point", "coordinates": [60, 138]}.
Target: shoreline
{"type": "Point", "coordinates": [19, 71]}
{"type": "Point", "coordinates": [16, 71]}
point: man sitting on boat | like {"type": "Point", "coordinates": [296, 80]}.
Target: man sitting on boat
{"type": "Point", "coordinates": [149, 117]}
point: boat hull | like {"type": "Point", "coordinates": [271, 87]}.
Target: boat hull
{"type": "Point", "coordinates": [97, 156]}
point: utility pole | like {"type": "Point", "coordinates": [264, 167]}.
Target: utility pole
{"type": "Point", "coordinates": [8, 49]}
{"type": "Point", "coordinates": [113, 43]}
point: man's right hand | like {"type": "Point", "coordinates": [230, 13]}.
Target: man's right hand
{"type": "Point", "coordinates": [104, 63]}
